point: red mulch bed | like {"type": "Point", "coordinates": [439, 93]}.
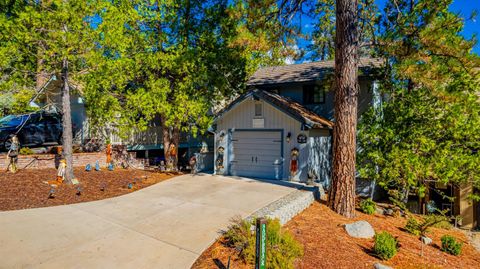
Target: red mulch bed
{"type": "Point", "coordinates": [326, 245]}
{"type": "Point", "coordinates": [25, 189]}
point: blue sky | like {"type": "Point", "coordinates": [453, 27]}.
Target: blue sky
{"type": "Point", "coordinates": [464, 7]}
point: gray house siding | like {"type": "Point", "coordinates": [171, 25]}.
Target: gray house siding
{"type": "Point", "coordinates": [242, 116]}
{"type": "Point", "coordinates": [295, 92]}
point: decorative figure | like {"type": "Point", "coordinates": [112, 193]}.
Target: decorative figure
{"type": "Point", "coordinates": [162, 166]}
{"type": "Point", "coordinates": [110, 166]}
{"type": "Point", "coordinates": [62, 169]}
{"type": "Point", "coordinates": [204, 147]}
{"type": "Point", "coordinates": [130, 186]}
{"type": "Point", "coordinates": [88, 168]}
{"type": "Point", "coordinates": [51, 193]}
{"type": "Point", "coordinates": [219, 161]}
{"type": "Point", "coordinates": [221, 136]}
{"type": "Point", "coordinates": [294, 162]}
{"type": "Point", "coordinates": [108, 151]}
{"type": "Point", "coordinates": [13, 154]}
{"type": "Point", "coordinates": [172, 153]}
{"type": "Point", "coordinates": [193, 164]}
{"type": "Point", "coordinates": [97, 166]}
{"type": "Point", "coordinates": [79, 190]}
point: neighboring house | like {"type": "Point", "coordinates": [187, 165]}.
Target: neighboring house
{"type": "Point", "coordinates": [52, 96]}
{"type": "Point", "coordinates": [287, 109]}
{"type": "Point", "coordinates": [147, 144]}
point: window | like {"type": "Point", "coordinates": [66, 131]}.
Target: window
{"type": "Point", "coordinates": [258, 109]}
{"type": "Point", "coordinates": [313, 94]}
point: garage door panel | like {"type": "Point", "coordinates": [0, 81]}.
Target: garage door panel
{"type": "Point", "coordinates": [257, 135]}
{"type": "Point", "coordinates": [245, 171]}
{"type": "Point", "coordinates": [263, 158]}
{"type": "Point", "coordinates": [257, 154]}
{"type": "Point", "coordinates": [253, 146]}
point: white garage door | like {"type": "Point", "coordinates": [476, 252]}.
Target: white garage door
{"type": "Point", "coordinates": [256, 154]}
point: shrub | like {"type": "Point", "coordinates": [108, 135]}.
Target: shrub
{"type": "Point", "coordinates": [421, 228]}
{"type": "Point", "coordinates": [282, 248]}
{"type": "Point", "coordinates": [413, 226]}
{"type": "Point", "coordinates": [368, 206]}
{"type": "Point", "coordinates": [26, 151]}
{"type": "Point", "coordinates": [450, 245]}
{"type": "Point", "coordinates": [385, 245]}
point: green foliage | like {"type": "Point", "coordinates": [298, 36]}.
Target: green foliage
{"type": "Point", "coordinates": [413, 226]}
{"type": "Point", "coordinates": [26, 151]}
{"type": "Point", "coordinates": [282, 248]}
{"type": "Point", "coordinates": [386, 246]}
{"type": "Point", "coordinates": [417, 228]}
{"type": "Point", "coordinates": [368, 206]}
{"type": "Point", "coordinates": [450, 245]}
{"type": "Point", "coordinates": [428, 129]}
{"type": "Point", "coordinates": [323, 34]}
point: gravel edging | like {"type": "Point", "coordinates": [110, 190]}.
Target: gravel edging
{"type": "Point", "coordinates": [286, 207]}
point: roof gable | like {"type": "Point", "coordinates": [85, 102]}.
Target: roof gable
{"type": "Point", "coordinates": [284, 104]}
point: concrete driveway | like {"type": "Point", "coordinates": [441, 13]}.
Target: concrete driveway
{"type": "Point", "coordinates": [166, 225]}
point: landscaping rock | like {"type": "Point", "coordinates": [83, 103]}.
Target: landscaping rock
{"type": "Point", "coordinates": [426, 240]}
{"type": "Point", "coordinates": [360, 229]}
{"type": "Point", "coordinates": [379, 210]}
{"type": "Point", "coordinates": [381, 266]}
{"type": "Point", "coordinates": [388, 212]}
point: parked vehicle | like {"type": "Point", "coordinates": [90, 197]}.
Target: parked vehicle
{"type": "Point", "coordinates": [32, 130]}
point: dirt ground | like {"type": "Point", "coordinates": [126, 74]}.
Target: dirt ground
{"type": "Point", "coordinates": [326, 245]}
{"type": "Point", "coordinates": [25, 189]}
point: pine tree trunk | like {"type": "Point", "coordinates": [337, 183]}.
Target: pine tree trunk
{"type": "Point", "coordinates": [342, 193]}
{"type": "Point", "coordinates": [67, 123]}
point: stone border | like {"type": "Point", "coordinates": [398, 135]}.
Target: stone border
{"type": "Point", "coordinates": [288, 206]}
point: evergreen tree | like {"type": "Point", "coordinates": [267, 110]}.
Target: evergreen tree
{"type": "Point", "coordinates": [430, 127]}
{"type": "Point", "coordinates": [45, 38]}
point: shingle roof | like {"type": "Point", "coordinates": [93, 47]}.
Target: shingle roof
{"type": "Point", "coordinates": [285, 104]}
{"type": "Point", "coordinates": [304, 72]}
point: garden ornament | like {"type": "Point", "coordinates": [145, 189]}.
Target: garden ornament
{"type": "Point", "coordinates": [108, 152]}
{"type": "Point", "coordinates": [97, 166]}
{"type": "Point", "coordinates": [110, 166]}
{"type": "Point", "coordinates": [294, 162]}
{"type": "Point", "coordinates": [79, 190]}
{"type": "Point", "coordinates": [13, 154]}
{"type": "Point", "coordinates": [62, 169]}
{"type": "Point", "coordinates": [88, 168]}
{"type": "Point", "coordinates": [193, 164]}
{"type": "Point", "coordinates": [51, 193]}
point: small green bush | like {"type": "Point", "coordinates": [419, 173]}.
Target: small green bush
{"type": "Point", "coordinates": [421, 228]}
{"type": "Point", "coordinates": [450, 245]}
{"type": "Point", "coordinates": [386, 245]}
{"type": "Point", "coordinates": [282, 248]}
{"type": "Point", "coordinates": [413, 226]}
{"type": "Point", "coordinates": [26, 151]}
{"type": "Point", "coordinates": [368, 206]}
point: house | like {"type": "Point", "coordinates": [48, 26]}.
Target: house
{"type": "Point", "coordinates": [146, 145]}
{"type": "Point", "coordinates": [285, 120]}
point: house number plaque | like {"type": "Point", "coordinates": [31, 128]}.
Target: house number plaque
{"type": "Point", "coordinates": [302, 139]}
